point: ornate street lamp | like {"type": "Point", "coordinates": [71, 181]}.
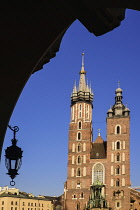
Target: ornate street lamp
{"type": "Point", "coordinates": [13, 157]}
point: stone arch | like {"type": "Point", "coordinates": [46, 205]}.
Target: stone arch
{"type": "Point", "coordinates": [98, 172]}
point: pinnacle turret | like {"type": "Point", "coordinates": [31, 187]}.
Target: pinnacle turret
{"type": "Point", "coordinates": [83, 92]}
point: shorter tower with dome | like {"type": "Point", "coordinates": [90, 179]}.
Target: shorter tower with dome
{"type": "Point", "coordinates": [98, 174]}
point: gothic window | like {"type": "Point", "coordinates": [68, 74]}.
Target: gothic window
{"type": "Point", "coordinates": [98, 173]}
{"type": "Point", "coordinates": [118, 204]}
{"type": "Point", "coordinates": [74, 196]}
{"type": "Point", "coordinates": [78, 172]}
{"type": "Point", "coordinates": [123, 144]}
{"type": "Point", "coordinates": [2, 202]}
{"type": "Point", "coordinates": [79, 147]}
{"type": "Point", "coordinates": [73, 147]}
{"type": "Point", "coordinates": [78, 206]}
{"type": "Point", "coordinates": [112, 157]}
{"type": "Point", "coordinates": [73, 113]}
{"type": "Point", "coordinates": [82, 195]}
{"type": "Point", "coordinates": [112, 170]}
{"type": "Point", "coordinates": [118, 170]}
{"type": "Point", "coordinates": [118, 129]}
{"type": "Point", "coordinates": [87, 111]}
{"type": "Point", "coordinates": [118, 157]}
{"type": "Point", "coordinates": [80, 125]}
{"type": "Point", "coordinates": [123, 169]}
{"type": "Point", "coordinates": [118, 145]}
{"type": "Point", "coordinates": [78, 184]}
{"type": "Point", "coordinates": [73, 159]}
{"type": "Point", "coordinates": [80, 111]}
{"type": "Point", "coordinates": [122, 193]}
{"type": "Point", "coordinates": [84, 147]}
{"type": "Point", "coordinates": [72, 172]}
{"type": "Point", "coordinates": [84, 159]}
{"type": "Point", "coordinates": [117, 182]}
{"type": "Point", "coordinates": [84, 171]}
{"type": "Point", "coordinates": [11, 202]}
{"type": "Point", "coordinates": [123, 156]}
{"type": "Point", "coordinates": [79, 159]}
{"type": "Point", "coordinates": [123, 182]}
{"type": "Point", "coordinates": [112, 182]}
{"type": "Point", "coordinates": [79, 136]}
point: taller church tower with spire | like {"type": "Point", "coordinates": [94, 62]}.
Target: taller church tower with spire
{"type": "Point", "coordinates": [98, 172]}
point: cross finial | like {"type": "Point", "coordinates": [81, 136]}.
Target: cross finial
{"type": "Point", "coordinates": [83, 59]}
{"type": "Point", "coordinates": [118, 84]}
{"type": "Point", "coordinates": [99, 132]}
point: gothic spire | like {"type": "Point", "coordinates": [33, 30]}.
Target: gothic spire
{"type": "Point", "coordinates": [83, 92]}
{"type": "Point", "coordinates": [82, 82]}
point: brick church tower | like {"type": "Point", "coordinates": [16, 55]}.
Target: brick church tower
{"type": "Point", "coordinates": [98, 172]}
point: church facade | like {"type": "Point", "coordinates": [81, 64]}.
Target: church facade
{"type": "Point", "coordinates": [98, 172]}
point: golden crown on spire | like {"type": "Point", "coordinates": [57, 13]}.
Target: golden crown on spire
{"type": "Point", "coordinates": [83, 69]}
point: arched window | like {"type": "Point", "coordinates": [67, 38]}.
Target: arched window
{"type": "Point", "coordinates": [118, 129]}
{"type": "Point", "coordinates": [84, 159]}
{"type": "Point", "coordinates": [123, 182]}
{"type": "Point", "coordinates": [79, 159]}
{"type": "Point", "coordinates": [79, 136]}
{"type": "Point", "coordinates": [112, 157]}
{"type": "Point", "coordinates": [78, 184]}
{"type": "Point", "coordinates": [78, 172]}
{"type": "Point", "coordinates": [73, 111]}
{"type": "Point", "coordinates": [117, 182]}
{"type": "Point", "coordinates": [118, 204]}
{"type": "Point", "coordinates": [122, 193]}
{"type": "Point", "coordinates": [78, 206]}
{"type": "Point", "coordinates": [73, 157]}
{"type": "Point", "coordinates": [80, 111]}
{"type": "Point", "coordinates": [72, 172]}
{"type": "Point", "coordinates": [123, 156]}
{"type": "Point", "coordinates": [98, 173]}
{"type": "Point", "coordinates": [84, 147]}
{"type": "Point", "coordinates": [73, 147]}
{"type": "Point", "coordinates": [82, 195]}
{"type": "Point", "coordinates": [118, 157]}
{"type": "Point", "coordinates": [74, 196]}
{"type": "Point", "coordinates": [118, 170]}
{"type": "Point", "coordinates": [112, 182]}
{"type": "Point", "coordinates": [123, 169]}
{"type": "Point", "coordinates": [84, 171]}
{"type": "Point", "coordinates": [118, 145]}
{"type": "Point", "coordinates": [79, 147]}
{"type": "Point", "coordinates": [112, 170]}
{"type": "Point", "coordinates": [80, 125]}
{"type": "Point", "coordinates": [87, 111]}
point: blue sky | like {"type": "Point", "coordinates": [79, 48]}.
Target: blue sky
{"type": "Point", "coordinates": [43, 109]}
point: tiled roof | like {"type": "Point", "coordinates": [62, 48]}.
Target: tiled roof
{"type": "Point", "coordinates": [98, 150]}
